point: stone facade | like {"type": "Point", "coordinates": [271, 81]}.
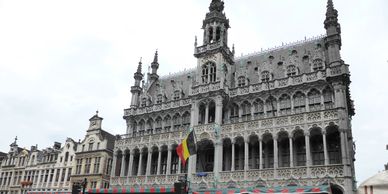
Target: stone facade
{"type": "Point", "coordinates": [93, 156]}
{"type": "Point", "coordinates": [275, 118]}
{"type": "Point", "coordinates": [56, 168]}
{"type": "Point", "coordinates": [36, 170]}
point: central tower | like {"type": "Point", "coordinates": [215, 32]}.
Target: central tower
{"type": "Point", "coordinates": [214, 56]}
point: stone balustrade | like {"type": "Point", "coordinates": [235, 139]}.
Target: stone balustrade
{"type": "Point", "coordinates": [157, 107]}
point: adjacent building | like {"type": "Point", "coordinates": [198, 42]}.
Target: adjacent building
{"type": "Point", "coordinates": [277, 118]}
{"type": "Point", "coordinates": [93, 156]}
{"type": "Point", "coordinates": [55, 169]}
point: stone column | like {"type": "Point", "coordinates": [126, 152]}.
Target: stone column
{"type": "Point", "coordinates": [130, 166]}
{"type": "Point", "coordinates": [221, 156]}
{"type": "Point", "coordinates": [291, 151]}
{"type": "Point", "coordinates": [159, 161]}
{"type": "Point", "coordinates": [240, 113]}
{"type": "Point", "coordinates": [122, 169]}
{"type": "Point", "coordinates": [149, 159]}
{"type": "Point", "coordinates": [140, 164]}
{"type": "Point", "coordinates": [246, 156]}
{"type": "Point", "coordinates": [54, 177]}
{"type": "Point", "coordinates": [343, 150]}
{"type": "Point", "coordinates": [207, 114]}
{"type": "Point", "coordinates": [252, 112]}
{"type": "Point", "coordinates": [39, 179]}
{"type": "Point", "coordinates": [325, 148]}
{"type": "Point", "coordinates": [194, 115]}
{"type": "Point", "coordinates": [292, 104]}
{"type": "Point", "coordinates": [218, 115]}
{"type": "Point", "coordinates": [113, 172]}
{"type": "Point", "coordinates": [261, 153]}
{"type": "Point", "coordinates": [307, 104]}
{"type": "Point", "coordinates": [169, 160]}
{"type": "Point", "coordinates": [233, 155]}
{"type": "Point", "coordinates": [308, 152]}
{"type": "Point", "coordinates": [66, 171]}
{"type": "Point", "coordinates": [275, 153]}
{"type": "Point", "coordinates": [179, 165]}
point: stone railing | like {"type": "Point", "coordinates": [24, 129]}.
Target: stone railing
{"type": "Point", "coordinates": [157, 107]}
{"type": "Point", "coordinates": [167, 180]}
{"type": "Point", "coordinates": [330, 115]}
{"type": "Point", "coordinates": [128, 140]}
{"type": "Point", "coordinates": [290, 81]}
{"type": "Point", "coordinates": [288, 173]}
{"type": "Point", "coordinates": [205, 88]}
{"type": "Point", "coordinates": [208, 47]}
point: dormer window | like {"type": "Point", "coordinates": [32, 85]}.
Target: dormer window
{"type": "Point", "coordinates": [143, 102]}
{"type": "Point", "coordinates": [177, 95]}
{"type": "Point", "coordinates": [291, 71]}
{"type": "Point", "coordinates": [241, 81]}
{"type": "Point", "coordinates": [265, 76]}
{"type": "Point", "coordinates": [159, 99]}
{"type": "Point", "coordinates": [317, 64]}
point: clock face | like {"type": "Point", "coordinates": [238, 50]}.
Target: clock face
{"type": "Point", "coordinates": [93, 123]}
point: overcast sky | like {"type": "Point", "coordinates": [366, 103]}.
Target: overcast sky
{"type": "Point", "coordinates": [60, 61]}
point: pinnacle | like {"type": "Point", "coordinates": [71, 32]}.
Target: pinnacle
{"type": "Point", "coordinates": [156, 56]}
{"type": "Point", "coordinates": [139, 66]}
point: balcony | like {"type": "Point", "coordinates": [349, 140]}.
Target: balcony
{"type": "Point", "coordinates": [157, 107]}
{"type": "Point", "coordinates": [162, 180]}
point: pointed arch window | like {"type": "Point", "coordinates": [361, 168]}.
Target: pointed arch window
{"type": "Point", "coordinates": [258, 108]}
{"type": "Point", "coordinates": [234, 113]}
{"type": "Point", "coordinates": [246, 111]}
{"type": "Point", "coordinates": [158, 125]}
{"type": "Point", "coordinates": [299, 102]}
{"type": "Point", "coordinates": [241, 81]}
{"type": "Point", "coordinates": [314, 100]}
{"type": "Point", "coordinates": [265, 76]}
{"type": "Point", "coordinates": [271, 105]}
{"type": "Point", "coordinates": [209, 73]}
{"type": "Point", "coordinates": [292, 71]}
{"type": "Point", "coordinates": [285, 104]}
{"type": "Point", "coordinates": [328, 98]}
{"type": "Point", "coordinates": [218, 33]}
{"type": "Point", "coordinates": [317, 64]}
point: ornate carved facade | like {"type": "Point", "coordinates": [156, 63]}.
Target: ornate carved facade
{"type": "Point", "coordinates": [275, 118]}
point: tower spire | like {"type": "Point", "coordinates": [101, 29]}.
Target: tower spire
{"type": "Point", "coordinates": [216, 5]}
{"type": "Point", "coordinates": [153, 76]}
{"type": "Point", "coordinates": [139, 66]}
{"type": "Point", "coordinates": [333, 33]}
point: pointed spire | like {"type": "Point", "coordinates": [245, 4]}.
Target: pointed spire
{"type": "Point", "coordinates": [156, 56]}
{"type": "Point", "coordinates": [331, 12]}
{"type": "Point", "coordinates": [195, 42]}
{"type": "Point", "coordinates": [216, 5]}
{"type": "Point", "coordinates": [139, 66]}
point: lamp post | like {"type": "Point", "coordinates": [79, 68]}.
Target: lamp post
{"type": "Point", "coordinates": [84, 183]}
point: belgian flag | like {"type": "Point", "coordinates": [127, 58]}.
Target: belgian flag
{"type": "Point", "coordinates": [187, 148]}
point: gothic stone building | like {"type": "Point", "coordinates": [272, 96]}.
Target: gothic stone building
{"type": "Point", "coordinates": [273, 118]}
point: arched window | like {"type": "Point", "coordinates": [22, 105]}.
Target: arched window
{"type": "Point", "coordinates": [150, 126]}
{"type": "Point", "coordinates": [258, 108]}
{"type": "Point", "coordinates": [246, 111]}
{"type": "Point", "coordinates": [209, 73]}
{"type": "Point", "coordinates": [159, 99]}
{"type": "Point", "coordinates": [285, 104]}
{"type": "Point", "coordinates": [210, 34]}
{"type": "Point", "coordinates": [212, 76]}
{"type": "Point", "coordinates": [292, 70]}
{"type": "Point", "coordinates": [317, 64]}
{"type": "Point", "coordinates": [234, 113]}
{"type": "Point", "coordinates": [299, 102]}
{"type": "Point", "coordinates": [241, 81]}
{"type": "Point", "coordinates": [141, 128]}
{"type": "Point", "coordinates": [265, 76]}
{"type": "Point", "coordinates": [271, 106]}
{"type": "Point", "coordinates": [328, 98]}
{"type": "Point", "coordinates": [158, 125]}
{"type": "Point", "coordinates": [205, 73]}
{"type": "Point", "coordinates": [218, 33]}
{"type": "Point", "coordinates": [314, 100]}
{"type": "Point", "coordinates": [186, 120]}
{"type": "Point", "coordinates": [176, 120]}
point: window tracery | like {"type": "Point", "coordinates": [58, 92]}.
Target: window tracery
{"type": "Point", "coordinates": [241, 81]}
{"type": "Point", "coordinates": [299, 102]}
{"type": "Point", "coordinates": [292, 70]}
{"type": "Point", "coordinates": [317, 64]}
{"type": "Point", "coordinates": [265, 76]}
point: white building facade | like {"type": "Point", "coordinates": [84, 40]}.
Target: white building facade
{"type": "Point", "coordinates": [271, 119]}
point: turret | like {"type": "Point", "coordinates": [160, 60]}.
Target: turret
{"type": "Point", "coordinates": [136, 89]}
{"type": "Point", "coordinates": [95, 122]}
{"type": "Point", "coordinates": [215, 25]}
{"type": "Point", "coordinates": [153, 76]}
{"type": "Point", "coordinates": [333, 32]}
